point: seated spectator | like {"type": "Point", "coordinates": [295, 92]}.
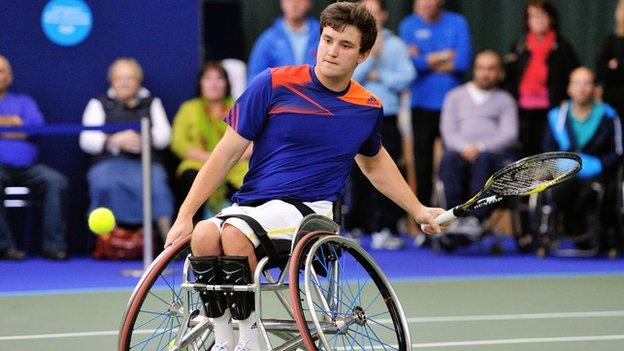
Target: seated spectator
{"type": "Point", "coordinates": [291, 40]}
{"type": "Point", "coordinates": [479, 126]}
{"type": "Point", "coordinates": [197, 128]}
{"type": "Point", "coordinates": [592, 129]}
{"type": "Point", "coordinates": [18, 166]}
{"type": "Point", "coordinates": [387, 71]}
{"type": "Point", "coordinates": [115, 176]}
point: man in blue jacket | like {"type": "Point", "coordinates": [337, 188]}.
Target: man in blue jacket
{"type": "Point", "coordinates": [439, 45]}
{"type": "Point", "coordinates": [593, 130]}
{"type": "Point", "coordinates": [291, 40]}
{"type": "Point", "coordinates": [386, 73]}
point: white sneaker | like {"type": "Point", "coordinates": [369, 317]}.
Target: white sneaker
{"type": "Point", "coordinates": [243, 345]}
{"type": "Point", "coordinates": [385, 240]}
{"type": "Point", "coordinates": [221, 347]}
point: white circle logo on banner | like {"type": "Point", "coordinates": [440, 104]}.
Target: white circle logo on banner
{"type": "Point", "coordinates": [66, 22]}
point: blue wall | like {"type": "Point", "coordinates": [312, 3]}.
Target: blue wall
{"type": "Point", "coordinates": [162, 35]}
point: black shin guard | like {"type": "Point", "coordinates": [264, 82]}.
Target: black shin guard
{"type": "Point", "coordinates": [207, 271]}
{"type": "Point", "coordinates": [236, 272]}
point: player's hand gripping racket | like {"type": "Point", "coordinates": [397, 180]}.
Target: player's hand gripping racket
{"type": "Point", "coordinates": [524, 177]}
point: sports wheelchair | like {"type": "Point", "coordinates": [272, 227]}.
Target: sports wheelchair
{"type": "Point", "coordinates": [339, 299]}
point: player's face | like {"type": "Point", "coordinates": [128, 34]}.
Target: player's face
{"type": "Point", "coordinates": [213, 85]}
{"type": "Point", "coordinates": [125, 81]}
{"type": "Point", "coordinates": [339, 52]}
{"type": "Point", "coordinates": [5, 75]}
{"type": "Point", "coordinates": [295, 9]}
{"type": "Point", "coordinates": [487, 71]}
{"type": "Point", "coordinates": [581, 87]}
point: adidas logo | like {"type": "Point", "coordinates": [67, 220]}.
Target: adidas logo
{"type": "Point", "coordinates": [372, 101]}
{"type": "Point", "coordinates": [254, 326]}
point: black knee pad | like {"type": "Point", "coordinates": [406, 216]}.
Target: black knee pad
{"type": "Point", "coordinates": [208, 271]}
{"type": "Point", "coordinates": [236, 271]}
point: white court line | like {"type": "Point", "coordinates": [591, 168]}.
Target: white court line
{"type": "Point", "coordinates": [493, 317]}
{"type": "Point", "coordinates": [520, 341]}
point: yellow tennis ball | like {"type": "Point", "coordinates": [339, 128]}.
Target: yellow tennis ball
{"type": "Point", "coordinates": [101, 220]}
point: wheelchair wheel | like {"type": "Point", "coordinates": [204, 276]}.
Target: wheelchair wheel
{"type": "Point", "coordinates": [342, 299]}
{"type": "Point", "coordinates": [159, 308]}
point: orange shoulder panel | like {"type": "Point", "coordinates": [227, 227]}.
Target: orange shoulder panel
{"type": "Point", "coordinates": [290, 75]}
{"type": "Point", "coordinates": [359, 96]}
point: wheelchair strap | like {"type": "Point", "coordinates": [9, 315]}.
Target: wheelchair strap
{"type": "Point", "coordinates": [300, 206]}
{"type": "Point", "coordinates": [260, 232]}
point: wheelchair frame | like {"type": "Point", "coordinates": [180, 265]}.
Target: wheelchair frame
{"type": "Point", "coordinates": [194, 331]}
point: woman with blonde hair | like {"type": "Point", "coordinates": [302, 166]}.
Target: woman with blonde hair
{"type": "Point", "coordinates": [610, 63]}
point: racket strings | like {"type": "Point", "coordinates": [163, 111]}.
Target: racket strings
{"type": "Point", "coordinates": [531, 175]}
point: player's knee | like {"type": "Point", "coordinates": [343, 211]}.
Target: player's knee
{"type": "Point", "coordinates": [205, 240]}
{"type": "Point", "coordinates": [234, 241]}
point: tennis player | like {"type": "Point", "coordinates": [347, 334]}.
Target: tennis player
{"type": "Point", "coordinates": [307, 124]}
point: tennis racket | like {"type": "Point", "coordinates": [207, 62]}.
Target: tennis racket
{"type": "Point", "coordinates": [524, 177]}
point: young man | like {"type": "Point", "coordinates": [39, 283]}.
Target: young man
{"type": "Point", "coordinates": [307, 125]}
{"type": "Point", "coordinates": [291, 40]}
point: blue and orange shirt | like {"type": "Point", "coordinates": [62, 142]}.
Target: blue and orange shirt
{"type": "Point", "coordinates": [305, 136]}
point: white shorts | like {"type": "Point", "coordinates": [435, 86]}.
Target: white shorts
{"type": "Point", "coordinates": [278, 218]}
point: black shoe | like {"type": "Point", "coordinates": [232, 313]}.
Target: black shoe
{"type": "Point", "coordinates": [55, 255]}
{"type": "Point", "coordinates": [12, 254]}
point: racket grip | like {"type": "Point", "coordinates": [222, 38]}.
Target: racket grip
{"type": "Point", "coordinates": [445, 217]}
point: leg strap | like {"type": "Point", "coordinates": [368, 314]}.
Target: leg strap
{"type": "Point", "coordinates": [236, 272]}
{"type": "Point", "coordinates": [207, 271]}
{"type": "Point", "coordinates": [260, 232]}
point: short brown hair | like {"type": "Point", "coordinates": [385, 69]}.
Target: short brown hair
{"type": "Point", "coordinates": [341, 14]}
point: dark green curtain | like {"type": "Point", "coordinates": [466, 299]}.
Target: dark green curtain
{"type": "Point", "coordinates": [493, 23]}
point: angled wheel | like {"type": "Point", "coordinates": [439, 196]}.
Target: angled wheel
{"type": "Point", "coordinates": [160, 313]}
{"type": "Point", "coordinates": [342, 299]}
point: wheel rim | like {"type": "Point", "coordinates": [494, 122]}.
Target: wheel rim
{"type": "Point", "coordinates": [355, 296]}
{"type": "Point", "coordinates": [159, 306]}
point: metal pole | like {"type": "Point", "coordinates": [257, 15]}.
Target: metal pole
{"type": "Point", "coordinates": [146, 165]}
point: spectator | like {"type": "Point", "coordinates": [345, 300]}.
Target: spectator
{"type": "Point", "coordinates": [479, 127]}
{"type": "Point", "coordinates": [538, 67]}
{"type": "Point", "coordinates": [439, 44]}
{"type": "Point", "coordinates": [291, 40]}
{"type": "Point", "coordinates": [197, 128]}
{"type": "Point", "coordinates": [115, 177]}
{"type": "Point", "coordinates": [18, 166]}
{"type": "Point", "coordinates": [593, 130]}
{"type": "Point", "coordinates": [387, 71]}
{"type": "Point", "coordinates": [610, 63]}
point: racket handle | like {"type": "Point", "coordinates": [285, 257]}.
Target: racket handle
{"type": "Point", "coordinates": [445, 217]}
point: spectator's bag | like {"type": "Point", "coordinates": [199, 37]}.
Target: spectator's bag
{"type": "Point", "coordinates": [120, 244]}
